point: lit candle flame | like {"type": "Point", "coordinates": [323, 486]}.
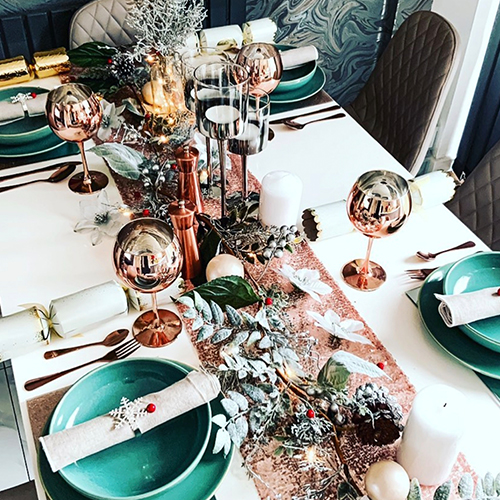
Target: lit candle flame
{"type": "Point", "coordinates": [311, 454]}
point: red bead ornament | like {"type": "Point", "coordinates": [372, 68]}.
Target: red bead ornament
{"type": "Point", "coordinates": [382, 365]}
{"type": "Point", "coordinates": [498, 291]}
{"type": "Point", "coordinates": [173, 167]}
{"type": "Point", "coordinates": [310, 413]}
{"type": "Point", "coordinates": [146, 212]}
{"type": "Point", "coordinates": [268, 301]}
{"type": "Point", "coordinates": [33, 94]}
{"type": "Point", "coordinates": [151, 408]}
{"type": "Point", "coordinates": [110, 61]}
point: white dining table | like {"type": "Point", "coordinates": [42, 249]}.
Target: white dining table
{"type": "Point", "coordinates": [42, 258]}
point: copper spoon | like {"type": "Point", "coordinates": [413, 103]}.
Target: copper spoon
{"type": "Point", "coordinates": [112, 339]}
{"type": "Point", "coordinates": [431, 256]}
{"type": "Point", "coordinates": [59, 175]}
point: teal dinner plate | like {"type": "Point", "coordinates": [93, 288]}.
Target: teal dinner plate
{"type": "Point", "coordinates": [201, 484]}
{"type": "Point", "coordinates": [27, 129]}
{"type": "Point", "coordinates": [311, 88]}
{"type": "Point", "coordinates": [472, 273]}
{"type": "Point", "coordinates": [148, 464]}
{"type": "Point", "coordinates": [48, 143]}
{"type": "Point", "coordinates": [453, 340]}
{"type": "Point", "coordinates": [294, 78]}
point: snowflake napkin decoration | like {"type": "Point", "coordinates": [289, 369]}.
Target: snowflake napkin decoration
{"type": "Point", "coordinates": [307, 280]}
{"type": "Point", "coordinates": [128, 413]}
{"type": "Point", "coordinates": [343, 329]}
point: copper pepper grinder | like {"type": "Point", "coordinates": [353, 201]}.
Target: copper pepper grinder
{"type": "Point", "coordinates": [182, 213]}
{"type": "Point", "coordinates": [189, 183]}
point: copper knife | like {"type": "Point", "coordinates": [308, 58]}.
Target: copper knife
{"type": "Point", "coordinates": [43, 169]}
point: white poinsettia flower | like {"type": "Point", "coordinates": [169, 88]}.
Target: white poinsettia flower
{"type": "Point", "coordinates": [307, 280]}
{"type": "Point", "coordinates": [111, 119]}
{"type": "Point", "coordinates": [99, 218]}
{"type": "Point", "coordinates": [343, 329]}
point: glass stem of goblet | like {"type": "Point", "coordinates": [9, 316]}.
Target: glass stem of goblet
{"type": "Point", "coordinates": [365, 269]}
{"type": "Point", "coordinates": [86, 175]}
{"type": "Point", "coordinates": [209, 161]}
{"type": "Point", "coordinates": [222, 161]}
{"type": "Point", "coordinates": [244, 184]}
{"type": "Point", "coordinates": [156, 323]}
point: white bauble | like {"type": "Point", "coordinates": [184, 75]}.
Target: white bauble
{"type": "Point", "coordinates": [224, 265]}
{"type": "Point", "coordinates": [387, 480]}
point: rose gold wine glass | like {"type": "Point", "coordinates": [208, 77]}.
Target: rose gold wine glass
{"type": "Point", "coordinates": [148, 258]}
{"type": "Point", "coordinates": [378, 205]}
{"type": "Point", "coordinates": [265, 69]}
{"type": "Point", "coordinates": [74, 114]}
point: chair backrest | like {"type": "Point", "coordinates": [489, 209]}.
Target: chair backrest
{"type": "Point", "coordinates": [403, 97]}
{"type": "Point", "coordinates": [477, 201]}
{"type": "Point", "coordinates": [101, 21]}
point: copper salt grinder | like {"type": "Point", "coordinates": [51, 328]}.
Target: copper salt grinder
{"type": "Point", "coordinates": [189, 183]}
{"type": "Point", "coordinates": [182, 213]}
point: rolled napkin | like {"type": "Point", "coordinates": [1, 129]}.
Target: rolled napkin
{"type": "Point", "coordinates": [260, 30]}
{"type": "Point", "coordinates": [464, 308]}
{"type": "Point", "coordinates": [75, 312]}
{"type": "Point", "coordinates": [13, 111]}
{"type": "Point", "coordinates": [66, 447]}
{"type": "Point", "coordinates": [296, 57]}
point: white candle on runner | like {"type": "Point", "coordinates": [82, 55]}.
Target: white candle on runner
{"type": "Point", "coordinates": [280, 198]}
{"type": "Point", "coordinates": [432, 434]}
{"type": "Point", "coordinates": [222, 114]}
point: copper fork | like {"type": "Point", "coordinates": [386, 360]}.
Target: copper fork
{"type": "Point", "coordinates": [121, 352]}
{"type": "Point", "coordinates": [419, 274]}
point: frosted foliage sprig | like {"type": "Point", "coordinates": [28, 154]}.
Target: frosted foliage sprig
{"type": "Point", "coordinates": [164, 25]}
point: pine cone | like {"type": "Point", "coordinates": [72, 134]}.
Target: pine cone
{"type": "Point", "coordinates": [377, 415]}
{"type": "Point", "coordinates": [122, 68]}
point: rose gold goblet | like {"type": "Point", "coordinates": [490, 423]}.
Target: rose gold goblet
{"type": "Point", "coordinates": [74, 114]}
{"type": "Point", "coordinates": [264, 66]}
{"type": "Point", "coordinates": [378, 205]}
{"type": "Point", "coordinates": [148, 258]}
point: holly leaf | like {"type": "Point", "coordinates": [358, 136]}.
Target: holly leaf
{"type": "Point", "coordinates": [228, 290]}
{"type": "Point", "coordinates": [123, 160]}
{"type": "Point", "coordinates": [91, 54]}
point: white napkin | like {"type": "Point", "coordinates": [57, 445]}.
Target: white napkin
{"type": "Point", "coordinates": [296, 57]}
{"type": "Point", "coordinates": [100, 433]}
{"type": "Point", "coordinates": [10, 112]}
{"type": "Point", "coordinates": [464, 308]}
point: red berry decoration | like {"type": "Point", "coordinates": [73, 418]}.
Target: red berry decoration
{"type": "Point", "coordinates": [173, 167]}
{"type": "Point", "coordinates": [146, 212]}
{"type": "Point", "coordinates": [110, 61]}
{"type": "Point", "coordinates": [310, 413]}
{"type": "Point", "coordinates": [382, 365]}
{"type": "Point", "coordinates": [151, 408]}
{"type": "Point", "coordinates": [147, 116]}
{"type": "Point", "coordinates": [33, 94]}
{"type": "Point", "coordinates": [498, 291]}
{"type": "Point", "coordinates": [268, 301]}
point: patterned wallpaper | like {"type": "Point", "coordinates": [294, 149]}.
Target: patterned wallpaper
{"type": "Point", "coordinates": [347, 33]}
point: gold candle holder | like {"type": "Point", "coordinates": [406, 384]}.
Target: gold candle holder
{"type": "Point", "coordinates": [51, 62]}
{"type": "Point", "coordinates": [15, 70]}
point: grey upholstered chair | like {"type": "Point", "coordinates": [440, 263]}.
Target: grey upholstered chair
{"type": "Point", "coordinates": [101, 21]}
{"type": "Point", "coordinates": [477, 202]}
{"type": "Point", "coordinates": [403, 97]}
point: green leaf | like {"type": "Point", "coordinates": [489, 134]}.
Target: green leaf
{"type": "Point", "coordinates": [187, 301]}
{"type": "Point", "coordinates": [91, 54]}
{"type": "Point", "coordinates": [354, 364]}
{"type": "Point", "coordinates": [497, 484]}
{"type": "Point", "coordinates": [333, 374]}
{"type": "Point", "coordinates": [230, 407]}
{"type": "Point", "coordinates": [221, 335]}
{"type": "Point", "coordinates": [233, 316]}
{"type": "Point", "coordinates": [217, 314]}
{"type": "Point", "coordinates": [238, 430]}
{"type": "Point", "coordinates": [278, 451]}
{"type": "Point", "coordinates": [466, 486]}
{"type": "Point", "coordinates": [228, 290]}
{"type": "Point", "coordinates": [443, 492]}
{"type": "Point", "coordinates": [346, 492]}
{"type": "Point", "coordinates": [123, 160]}
{"type": "Point", "coordinates": [239, 399]}
{"type": "Point", "coordinates": [222, 442]}
{"type": "Point", "coordinates": [209, 247]}
{"type": "Point", "coordinates": [254, 393]}
{"type": "Point", "coordinates": [489, 484]}
{"type": "Point", "coordinates": [205, 332]}
{"type": "Point", "coordinates": [415, 491]}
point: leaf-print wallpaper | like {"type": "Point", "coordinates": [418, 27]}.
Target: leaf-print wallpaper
{"type": "Point", "coordinates": [348, 34]}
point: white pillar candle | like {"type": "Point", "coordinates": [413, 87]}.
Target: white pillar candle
{"type": "Point", "coordinates": [73, 313]}
{"type": "Point", "coordinates": [432, 434]}
{"type": "Point", "coordinates": [280, 199]}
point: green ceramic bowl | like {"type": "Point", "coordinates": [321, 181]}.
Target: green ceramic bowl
{"type": "Point", "coordinates": [25, 130]}
{"type": "Point", "coordinates": [148, 464]}
{"type": "Point", "coordinates": [452, 340]}
{"type": "Point", "coordinates": [472, 273]}
{"type": "Point", "coordinates": [294, 78]}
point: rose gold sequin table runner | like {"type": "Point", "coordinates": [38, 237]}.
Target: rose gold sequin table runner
{"type": "Point", "coordinates": [281, 474]}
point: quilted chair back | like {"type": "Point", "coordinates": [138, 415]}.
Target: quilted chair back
{"type": "Point", "coordinates": [101, 21]}
{"type": "Point", "coordinates": [477, 202]}
{"type": "Point", "coordinates": [403, 97]}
